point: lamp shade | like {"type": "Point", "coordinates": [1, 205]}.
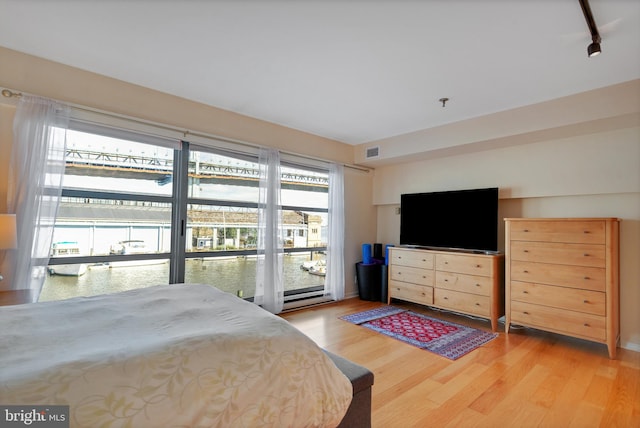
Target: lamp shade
{"type": "Point", "coordinates": [8, 234]}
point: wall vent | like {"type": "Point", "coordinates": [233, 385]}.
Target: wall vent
{"type": "Point", "coordinates": [372, 152]}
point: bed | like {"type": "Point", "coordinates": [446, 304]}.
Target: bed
{"type": "Point", "coordinates": [183, 355]}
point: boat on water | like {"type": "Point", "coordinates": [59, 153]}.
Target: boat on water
{"type": "Point", "coordinates": [66, 249]}
{"type": "Point", "coordinates": [134, 246]}
{"type": "Point", "coordinates": [315, 267]}
{"type": "Point", "coordinates": [318, 270]}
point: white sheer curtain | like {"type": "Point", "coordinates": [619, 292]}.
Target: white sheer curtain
{"type": "Point", "coordinates": [270, 270]}
{"type": "Point", "coordinates": [35, 184]}
{"type": "Point", "coordinates": [334, 280]}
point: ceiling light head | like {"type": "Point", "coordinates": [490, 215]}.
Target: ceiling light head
{"type": "Point", "coordinates": [594, 49]}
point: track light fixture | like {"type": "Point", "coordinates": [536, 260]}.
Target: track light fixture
{"type": "Point", "coordinates": [594, 48]}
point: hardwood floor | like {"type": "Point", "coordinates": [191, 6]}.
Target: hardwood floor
{"type": "Point", "coordinates": [528, 378]}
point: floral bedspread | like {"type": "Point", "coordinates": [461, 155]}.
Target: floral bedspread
{"type": "Point", "coordinates": [184, 355]}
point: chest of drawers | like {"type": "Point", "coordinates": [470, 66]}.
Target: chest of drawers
{"type": "Point", "coordinates": [562, 276]}
{"type": "Point", "coordinates": [461, 282]}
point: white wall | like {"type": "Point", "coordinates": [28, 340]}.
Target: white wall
{"type": "Point", "coordinates": [605, 162]}
{"type": "Point", "coordinates": [361, 220]}
{"type": "Point", "coordinates": [593, 175]}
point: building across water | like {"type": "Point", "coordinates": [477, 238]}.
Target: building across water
{"type": "Point", "coordinates": [96, 226]}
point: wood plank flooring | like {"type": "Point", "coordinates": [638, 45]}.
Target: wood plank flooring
{"type": "Point", "coordinates": [527, 378]}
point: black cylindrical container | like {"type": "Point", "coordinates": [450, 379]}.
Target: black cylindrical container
{"type": "Point", "coordinates": [369, 278]}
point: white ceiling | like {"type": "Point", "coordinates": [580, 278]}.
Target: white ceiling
{"type": "Point", "coordinates": [352, 70]}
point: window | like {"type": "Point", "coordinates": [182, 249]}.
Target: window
{"type": "Point", "coordinates": [114, 218]}
{"type": "Point", "coordinates": [115, 226]}
{"type": "Point", "coordinates": [222, 224]}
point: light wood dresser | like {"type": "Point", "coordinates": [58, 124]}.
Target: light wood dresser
{"type": "Point", "coordinates": [562, 277]}
{"type": "Point", "coordinates": [462, 282]}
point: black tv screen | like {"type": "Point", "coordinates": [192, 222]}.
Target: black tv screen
{"type": "Point", "coordinates": [459, 219]}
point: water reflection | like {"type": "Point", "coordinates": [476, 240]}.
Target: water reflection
{"type": "Point", "coordinates": [228, 274]}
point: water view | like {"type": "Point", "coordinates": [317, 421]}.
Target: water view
{"type": "Point", "coordinates": [117, 199]}
{"type": "Point", "coordinates": [231, 274]}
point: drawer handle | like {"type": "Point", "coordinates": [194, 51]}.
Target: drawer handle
{"type": "Point", "coordinates": [477, 304]}
{"type": "Point", "coordinates": [525, 292]}
{"type": "Point", "coordinates": [424, 276]}
{"type": "Point", "coordinates": [585, 301]}
{"type": "Point", "coordinates": [526, 313]}
{"type": "Point", "coordinates": [423, 294]}
{"type": "Point", "coordinates": [587, 324]}
{"type": "Point", "coordinates": [446, 298]}
{"type": "Point", "coordinates": [446, 263]}
{"type": "Point", "coordinates": [525, 230]}
{"type": "Point", "coordinates": [526, 251]}
{"type": "Point", "coordinates": [477, 266]}
{"type": "Point", "coordinates": [586, 231]}
{"type": "Point", "coordinates": [477, 285]}
{"type": "Point", "coordinates": [424, 260]}
{"type": "Point", "coordinates": [525, 271]}
{"type": "Point", "coordinates": [586, 254]}
{"type": "Point", "coordinates": [446, 280]}
{"type": "Point", "coordinates": [586, 277]}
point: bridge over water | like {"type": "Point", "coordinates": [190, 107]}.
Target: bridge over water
{"type": "Point", "coordinates": [141, 167]}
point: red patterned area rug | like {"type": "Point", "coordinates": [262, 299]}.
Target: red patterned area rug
{"type": "Point", "coordinates": [441, 337]}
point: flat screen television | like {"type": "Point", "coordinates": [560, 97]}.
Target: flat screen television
{"type": "Point", "coordinates": [458, 219]}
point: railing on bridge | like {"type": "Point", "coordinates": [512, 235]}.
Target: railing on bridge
{"type": "Point", "coordinates": [97, 163]}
